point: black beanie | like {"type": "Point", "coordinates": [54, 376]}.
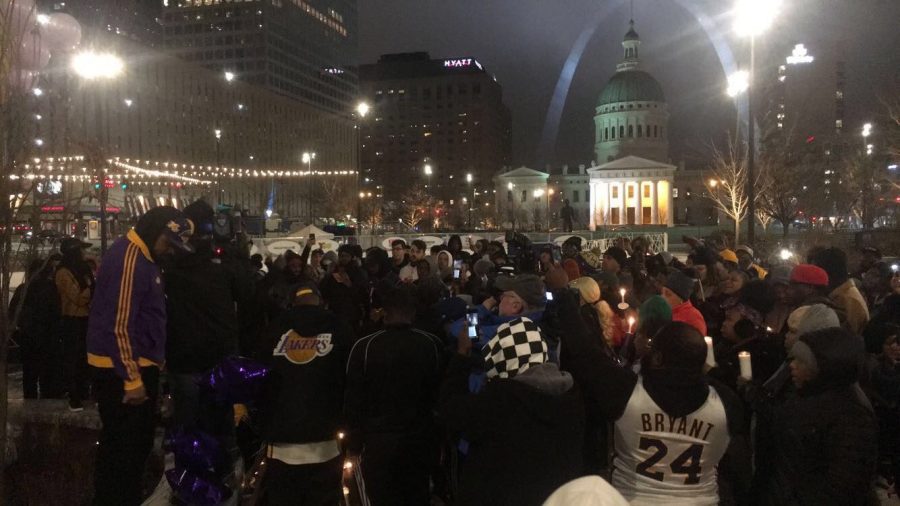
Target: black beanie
{"type": "Point", "coordinates": [153, 222]}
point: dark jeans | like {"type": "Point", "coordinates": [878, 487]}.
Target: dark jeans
{"type": "Point", "coordinates": [567, 225]}
{"type": "Point", "coordinates": [306, 485]}
{"type": "Point", "coordinates": [41, 365]}
{"type": "Point", "coordinates": [125, 439]}
{"type": "Point", "coordinates": [396, 468]}
{"type": "Point", "coordinates": [73, 334]}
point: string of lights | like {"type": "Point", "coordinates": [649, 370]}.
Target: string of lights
{"type": "Point", "coordinates": [73, 168]}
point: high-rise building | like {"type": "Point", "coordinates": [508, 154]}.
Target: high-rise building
{"type": "Point", "coordinates": [136, 20]}
{"type": "Point", "coordinates": [306, 50]}
{"type": "Point", "coordinates": [808, 98]}
{"type": "Point", "coordinates": [444, 113]}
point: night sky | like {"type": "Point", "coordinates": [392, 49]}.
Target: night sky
{"type": "Point", "coordinates": [526, 42]}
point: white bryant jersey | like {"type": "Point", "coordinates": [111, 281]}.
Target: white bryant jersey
{"type": "Point", "coordinates": [666, 460]}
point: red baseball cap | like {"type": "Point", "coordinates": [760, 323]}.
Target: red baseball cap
{"type": "Point", "coordinates": [808, 274]}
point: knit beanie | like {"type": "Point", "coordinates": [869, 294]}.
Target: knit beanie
{"type": "Point", "coordinates": [483, 267]}
{"type": "Point", "coordinates": [806, 319]}
{"type": "Point", "coordinates": [681, 284]}
{"type": "Point", "coordinates": [518, 345]}
{"type": "Point", "coordinates": [654, 308]}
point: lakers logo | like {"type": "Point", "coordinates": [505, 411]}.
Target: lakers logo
{"type": "Point", "coordinates": [302, 350]}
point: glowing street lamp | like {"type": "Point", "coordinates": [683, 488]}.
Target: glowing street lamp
{"type": "Point", "coordinates": [428, 170]}
{"type": "Point", "coordinates": [128, 102]}
{"type": "Point", "coordinates": [738, 82]}
{"type": "Point", "coordinates": [92, 65]}
{"type": "Point", "coordinates": [362, 109]}
{"type": "Point", "coordinates": [98, 66]}
{"type": "Point", "coordinates": [751, 19]}
{"type": "Point", "coordinates": [229, 76]}
{"type": "Point", "coordinates": [307, 158]}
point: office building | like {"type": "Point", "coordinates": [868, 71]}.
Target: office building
{"type": "Point", "coordinates": [304, 50]}
{"type": "Point", "coordinates": [136, 20]}
{"type": "Point", "coordinates": [173, 115]}
{"type": "Point", "coordinates": [447, 114]}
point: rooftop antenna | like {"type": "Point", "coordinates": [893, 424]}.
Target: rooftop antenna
{"type": "Point", "coordinates": [632, 11]}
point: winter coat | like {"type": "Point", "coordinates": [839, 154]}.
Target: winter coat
{"type": "Point", "coordinates": [853, 305]}
{"type": "Point", "coordinates": [825, 438]}
{"type": "Point", "coordinates": [525, 434]}
{"type": "Point", "coordinates": [392, 381]}
{"type": "Point", "coordinates": [306, 349]}
{"type": "Point", "coordinates": [202, 297]}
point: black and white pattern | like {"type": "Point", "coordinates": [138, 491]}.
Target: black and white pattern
{"type": "Point", "coordinates": [517, 345]}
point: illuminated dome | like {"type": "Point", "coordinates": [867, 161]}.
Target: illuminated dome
{"type": "Point", "coordinates": [631, 86]}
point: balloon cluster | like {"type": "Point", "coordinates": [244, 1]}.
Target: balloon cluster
{"type": "Point", "coordinates": [237, 380]}
{"type": "Point", "coordinates": [35, 36]}
{"type": "Point", "coordinates": [200, 459]}
{"type": "Point", "coordinates": [199, 462]}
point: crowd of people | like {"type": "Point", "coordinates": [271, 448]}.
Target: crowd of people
{"type": "Point", "coordinates": [487, 373]}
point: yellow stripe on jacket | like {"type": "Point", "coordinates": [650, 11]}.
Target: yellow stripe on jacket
{"type": "Point", "coordinates": [123, 312]}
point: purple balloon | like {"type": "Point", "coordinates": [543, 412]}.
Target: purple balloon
{"type": "Point", "coordinates": [198, 452]}
{"type": "Point", "coordinates": [196, 489]}
{"type": "Point", "coordinates": [236, 380]}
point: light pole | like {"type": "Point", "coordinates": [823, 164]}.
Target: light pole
{"type": "Point", "coordinates": [307, 158]}
{"type": "Point", "coordinates": [752, 18]}
{"type": "Point", "coordinates": [471, 204]}
{"type": "Point", "coordinates": [509, 187]}
{"type": "Point", "coordinates": [91, 66]}
{"type": "Point", "coordinates": [550, 193]}
{"type": "Point", "coordinates": [217, 133]}
{"type": "Point", "coordinates": [537, 196]}
{"type": "Point", "coordinates": [866, 132]}
{"type": "Point", "coordinates": [428, 171]}
{"type": "Point", "coordinates": [362, 109]}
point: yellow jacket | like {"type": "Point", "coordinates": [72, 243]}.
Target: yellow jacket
{"type": "Point", "coordinates": [73, 300]}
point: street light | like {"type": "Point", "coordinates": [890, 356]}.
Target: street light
{"type": "Point", "coordinates": [229, 76]}
{"type": "Point", "coordinates": [91, 66]}
{"type": "Point", "coordinates": [751, 19]}
{"type": "Point", "coordinates": [218, 135]}
{"type": "Point", "coordinates": [428, 172]}
{"type": "Point", "coordinates": [362, 109]}
{"type": "Point", "coordinates": [738, 82]}
{"type": "Point", "coordinates": [308, 157]}
{"type": "Point", "coordinates": [469, 179]}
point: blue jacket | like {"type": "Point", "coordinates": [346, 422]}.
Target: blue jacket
{"type": "Point", "coordinates": [488, 321]}
{"type": "Point", "coordinates": [127, 324]}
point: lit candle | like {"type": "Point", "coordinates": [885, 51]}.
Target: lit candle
{"type": "Point", "coordinates": [746, 368]}
{"type": "Point", "coordinates": [630, 323]}
{"type": "Point", "coordinates": [710, 356]}
{"type": "Point", "coordinates": [623, 305]}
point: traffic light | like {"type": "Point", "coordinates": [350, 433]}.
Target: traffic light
{"type": "Point", "coordinates": [97, 185]}
{"type": "Point", "coordinates": [124, 186]}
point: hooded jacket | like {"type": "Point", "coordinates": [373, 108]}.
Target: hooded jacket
{"type": "Point", "coordinates": [825, 447]}
{"type": "Point", "coordinates": [525, 433]}
{"type": "Point", "coordinates": [202, 302]}
{"type": "Point", "coordinates": [127, 323]}
{"type": "Point", "coordinates": [306, 348]}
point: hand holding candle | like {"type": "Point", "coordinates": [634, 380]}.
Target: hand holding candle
{"type": "Point", "coordinates": [630, 324]}
{"type": "Point", "coordinates": [746, 367]}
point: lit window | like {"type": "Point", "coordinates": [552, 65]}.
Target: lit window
{"type": "Point", "coordinates": [615, 192]}
{"type": "Point", "coordinates": [630, 192]}
{"type": "Point", "coordinates": [647, 191]}
{"type": "Point", "coordinates": [838, 123]}
{"type": "Point", "coordinates": [674, 193]}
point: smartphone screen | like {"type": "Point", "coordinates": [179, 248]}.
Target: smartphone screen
{"type": "Point", "coordinates": [456, 273]}
{"type": "Point", "coordinates": [549, 296]}
{"type": "Point", "coordinates": [472, 317]}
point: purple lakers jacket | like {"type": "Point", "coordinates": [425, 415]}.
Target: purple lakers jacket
{"type": "Point", "coordinates": [127, 324]}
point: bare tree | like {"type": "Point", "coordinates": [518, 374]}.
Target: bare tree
{"type": "Point", "coordinates": [414, 206]}
{"type": "Point", "coordinates": [727, 187]}
{"type": "Point", "coordinates": [14, 148]}
{"type": "Point", "coordinates": [334, 198]}
{"type": "Point", "coordinates": [866, 182]}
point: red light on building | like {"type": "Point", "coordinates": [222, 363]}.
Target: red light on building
{"type": "Point", "coordinates": [810, 139]}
